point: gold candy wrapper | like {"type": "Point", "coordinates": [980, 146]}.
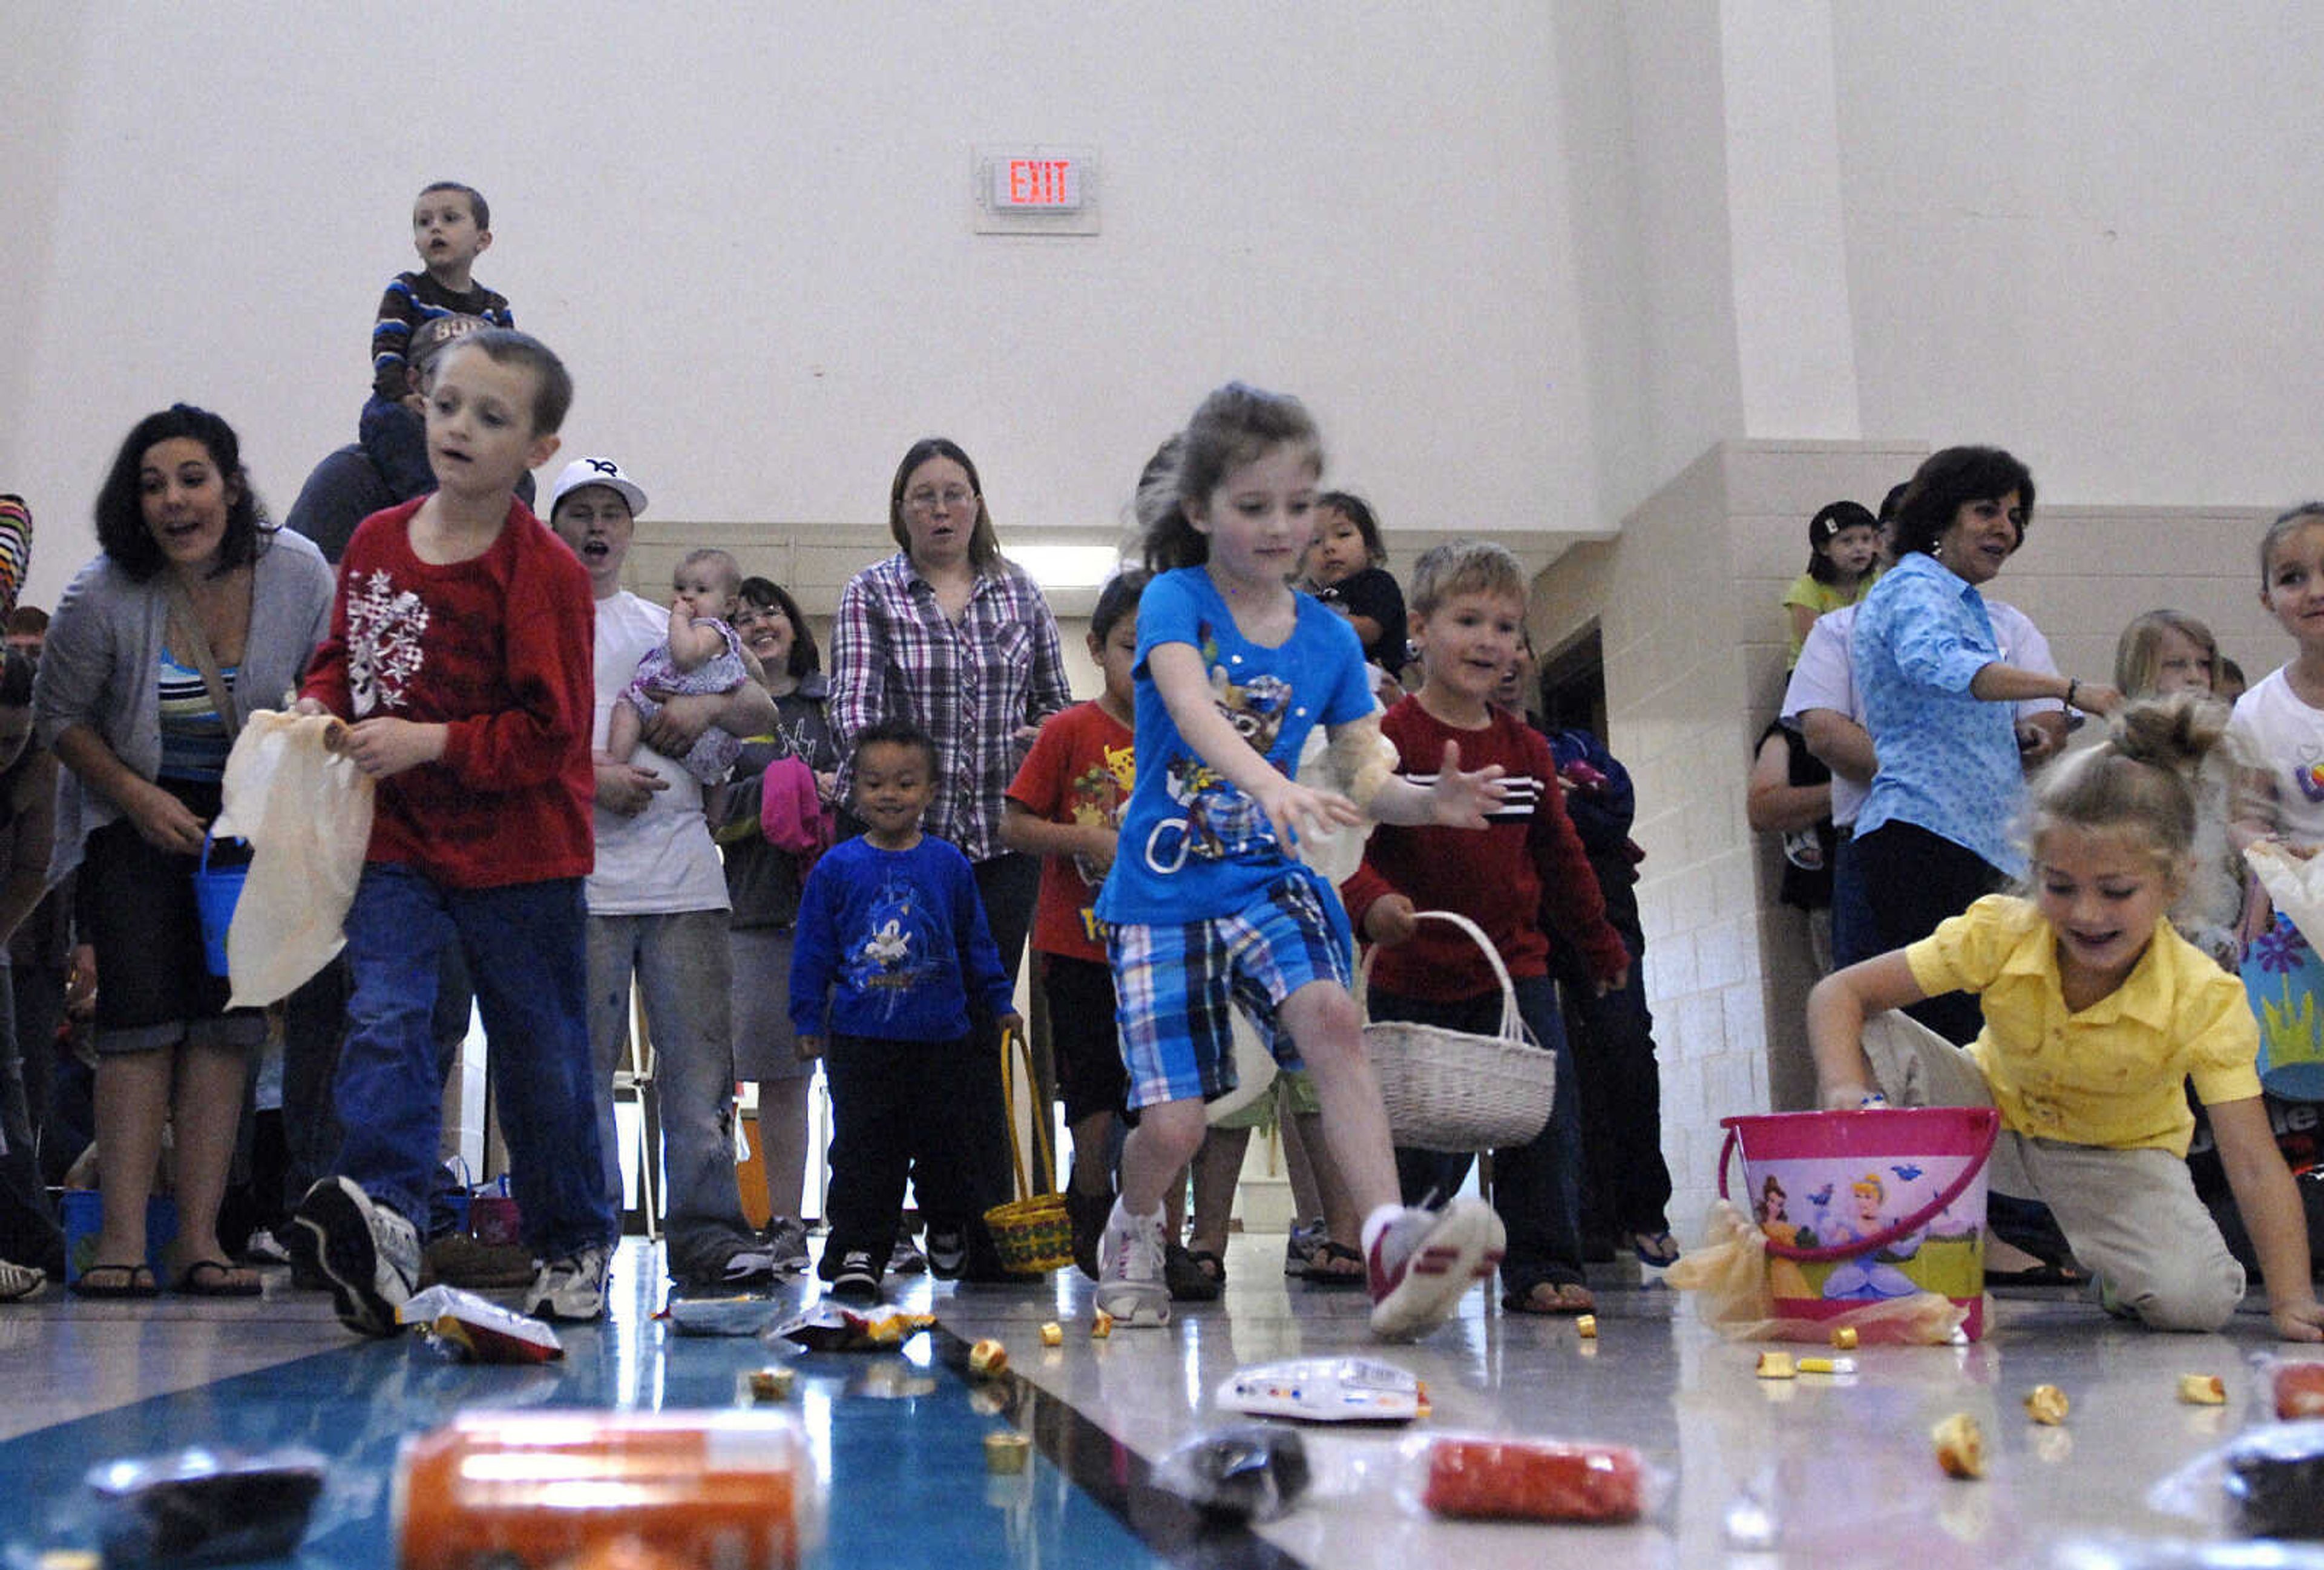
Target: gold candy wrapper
{"type": "Point", "coordinates": [2047, 1405]}
{"type": "Point", "coordinates": [1961, 1446]}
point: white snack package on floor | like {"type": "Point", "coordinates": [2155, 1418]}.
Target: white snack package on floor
{"type": "Point", "coordinates": [305, 810]}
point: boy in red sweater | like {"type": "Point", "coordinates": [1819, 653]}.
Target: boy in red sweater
{"type": "Point", "coordinates": [459, 646]}
{"type": "Point", "coordinates": [1468, 607]}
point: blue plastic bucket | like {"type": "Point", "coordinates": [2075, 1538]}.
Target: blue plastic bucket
{"type": "Point", "coordinates": [216, 892]}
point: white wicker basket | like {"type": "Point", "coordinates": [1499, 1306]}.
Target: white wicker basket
{"type": "Point", "coordinates": [1448, 1090]}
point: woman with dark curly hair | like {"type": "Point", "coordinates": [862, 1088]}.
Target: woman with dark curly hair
{"type": "Point", "coordinates": [195, 614]}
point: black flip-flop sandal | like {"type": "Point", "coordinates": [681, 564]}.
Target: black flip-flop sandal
{"type": "Point", "coordinates": [1319, 1272]}
{"type": "Point", "coordinates": [216, 1279]}
{"type": "Point", "coordinates": [104, 1281]}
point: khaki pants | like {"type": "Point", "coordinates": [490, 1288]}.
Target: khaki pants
{"type": "Point", "coordinates": [2132, 1216]}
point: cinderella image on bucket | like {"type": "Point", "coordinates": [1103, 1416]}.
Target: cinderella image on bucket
{"type": "Point", "coordinates": [1863, 1206]}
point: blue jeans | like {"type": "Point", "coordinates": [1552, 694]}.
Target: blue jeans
{"type": "Point", "coordinates": [397, 440]}
{"type": "Point", "coordinates": [523, 946]}
{"type": "Point", "coordinates": [1537, 1185]}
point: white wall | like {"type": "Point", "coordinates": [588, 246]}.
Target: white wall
{"type": "Point", "coordinates": [748, 232]}
{"type": "Point", "coordinates": [2088, 232]}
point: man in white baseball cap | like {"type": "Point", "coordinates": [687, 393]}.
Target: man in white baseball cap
{"type": "Point", "coordinates": [657, 901]}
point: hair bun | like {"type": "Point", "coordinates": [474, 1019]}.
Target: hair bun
{"type": "Point", "coordinates": [2176, 733]}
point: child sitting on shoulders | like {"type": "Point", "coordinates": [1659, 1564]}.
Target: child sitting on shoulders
{"type": "Point", "coordinates": [1343, 569]}
{"type": "Point", "coordinates": [1843, 560]}
{"type": "Point", "coordinates": [1206, 902]}
{"type": "Point", "coordinates": [420, 315]}
{"type": "Point", "coordinates": [890, 945]}
{"type": "Point", "coordinates": [2096, 1014]}
{"type": "Point", "coordinates": [1065, 805]}
{"type": "Point", "coordinates": [703, 655]}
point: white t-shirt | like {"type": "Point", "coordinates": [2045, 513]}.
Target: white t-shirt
{"type": "Point", "coordinates": [1824, 678]}
{"type": "Point", "coordinates": [663, 861]}
{"type": "Point", "coordinates": [2281, 733]}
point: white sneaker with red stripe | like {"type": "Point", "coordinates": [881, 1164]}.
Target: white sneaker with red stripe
{"type": "Point", "coordinates": [1423, 1261]}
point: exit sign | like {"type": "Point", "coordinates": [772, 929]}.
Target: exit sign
{"type": "Point", "coordinates": [1037, 185]}
{"type": "Point", "coordinates": [1035, 188]}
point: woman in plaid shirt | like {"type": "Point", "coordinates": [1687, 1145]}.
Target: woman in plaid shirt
{"type": "Point", "coordinates": [950, 635]}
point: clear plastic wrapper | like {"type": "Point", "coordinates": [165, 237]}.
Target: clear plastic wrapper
{"type": "Point", "coordinates": [204, 1507]}
{"type": "Point", "coordinates": [2267, 1481]}
{"type": "Point", "coordinates": [1253, 1472]}
{"type": "Point", "coordinates": [740, 1314]}
{"type": "Point", "coordinates": [2291, 1385]}
{"type": "Point", "coordinates": [1325, 1390]}
{"type": "Point", "coordinates": [477, 1330]}
{"type": "Point", "coordinates": [825, 1326]}
{"type": "Point", "coordinates": [2149, 1554]}
{"type": "Point", "coordinates": [1510, 1477]}
{"type": "Point", "coordinates": [1728, 1276]}
{"type": "Point", "coordinates": [613, 1490]}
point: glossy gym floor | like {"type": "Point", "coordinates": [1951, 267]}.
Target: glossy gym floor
{"type": "Point", "coordinates": [1814, 1471]}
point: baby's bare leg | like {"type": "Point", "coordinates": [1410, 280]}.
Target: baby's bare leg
{"type": "Point", "coordinates": [623, 730]}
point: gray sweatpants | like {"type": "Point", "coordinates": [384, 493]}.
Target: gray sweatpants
{"type": "Point", "coordinates": [2131, 1216]}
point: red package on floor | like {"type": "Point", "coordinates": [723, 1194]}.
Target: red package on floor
{"type": "Point", "coordinates": [1532, 1480]}
{"type": "Point", "coordinates": [2299, 1389]}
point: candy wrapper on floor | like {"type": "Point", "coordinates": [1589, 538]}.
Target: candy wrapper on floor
{"type": "Point", "coordinates": [1729, 1275]}
{"type": "Point", "coordinates": [614, 1490]}
{"type": "Point", "coordinates": [827, 1328]}
{"type": "Point", "coordinates": [476, 1330]}
{"type": "Point", "coordinates": [306, 809]}
{"type": "Point", "coordinates": [200, 1507]}
{"type": "Point", "coordinates": [2267, 1482]}
{"type": "Point", "coordinates": [1507, 1477]}
{"type": "Point", "coordinates": [1250, 1473]}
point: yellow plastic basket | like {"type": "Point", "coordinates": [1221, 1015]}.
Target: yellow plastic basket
{"type": "Point", "coordinates": [1030, 1234]}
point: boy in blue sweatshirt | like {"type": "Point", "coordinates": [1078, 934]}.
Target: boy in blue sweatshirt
{"type": "Point", "coordinates": [890, 943]}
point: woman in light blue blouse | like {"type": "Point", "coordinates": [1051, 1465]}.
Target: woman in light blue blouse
{"type": "Point", "coordinates": [1936, 833]}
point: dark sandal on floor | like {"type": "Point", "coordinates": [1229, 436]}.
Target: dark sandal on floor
{"type": "Point", "coordinates": [1657, 1250]}
{"type": "Point", "coordinates": [1552, 1298]}
{"type": "Point", "coordinates": [1335, 1264]}
{"type": "Point", "coordinates": [216, 1279]}
{"type": "Point", "coordinates": [1193, 1276]}
{"type": "Point", "coordinates": [114, 1281]}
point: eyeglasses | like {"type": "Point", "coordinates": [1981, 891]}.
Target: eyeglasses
{"type": "Point", "coordinates": [925, 499]}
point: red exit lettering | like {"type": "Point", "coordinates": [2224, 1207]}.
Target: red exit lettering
{"type": "Point", "coordinates": [1039, 182]}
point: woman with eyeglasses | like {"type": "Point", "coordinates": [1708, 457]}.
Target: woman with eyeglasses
{"type": "Point", "coordinates": [951, 635]}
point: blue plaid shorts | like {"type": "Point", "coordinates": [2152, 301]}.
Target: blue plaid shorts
{"type": "Point", "coordinates": [1172, 987]}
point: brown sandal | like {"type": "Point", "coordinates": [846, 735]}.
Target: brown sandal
{"type": "Point", "coordinates": [114, 1281]}
{"type": "Point", "coordinates": [1335, 1264]}
{"type": "Point", "coordinates": [1552, 1298]}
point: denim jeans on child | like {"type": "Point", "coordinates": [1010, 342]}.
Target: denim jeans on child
{"type": "Point", "coordinates": [396, 440]}
{"type": "Point", "coordinates": [1537, 1185]}
{"type": "Point", "coordinates": [523, 946]}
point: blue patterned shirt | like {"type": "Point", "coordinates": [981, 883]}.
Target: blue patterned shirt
{"type": "Point", "coordinates": [1947, 760]}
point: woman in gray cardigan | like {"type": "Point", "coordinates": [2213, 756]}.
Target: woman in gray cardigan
{"type": "Point", "coordinates": [189, 580]}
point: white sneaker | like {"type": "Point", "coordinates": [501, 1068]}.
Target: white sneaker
{"type": "Point", "coordinates": [264, 1248]}
{"type": "Point", "coordinates": [1130, 1283]}
{"type": "Point", "coordinates": [19, 1281]}
{"type": "Point", "coordinates": [571, 1288]}
{"type": "Point", "coordinates": [368, 1253]}
{"type": "Point", "coordinates": [1424, 1260]}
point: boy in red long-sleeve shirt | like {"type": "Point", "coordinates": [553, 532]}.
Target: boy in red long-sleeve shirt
{"type": "Point", "coordinates": [1468, 606]}
{"type": "Point", "coordinates": [460, 647]}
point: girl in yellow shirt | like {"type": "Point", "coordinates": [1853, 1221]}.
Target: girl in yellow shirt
{"type": "Point", "coordinates": [2096, 1014]}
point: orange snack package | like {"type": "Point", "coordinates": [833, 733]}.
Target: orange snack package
{"type": "Point", "coordinates": [1533, 1480]}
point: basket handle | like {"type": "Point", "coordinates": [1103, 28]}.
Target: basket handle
{"type": "Point", "coordinates": [1012, 1045]}
{"type": "Point", "coordinates": [1512, 1025]}
{"type": "Point", "coordinates": [1895, 1229]}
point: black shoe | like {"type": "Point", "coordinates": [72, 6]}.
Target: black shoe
{"type": "Point", "coordinates": [1086, 1214]}
{"type": "Point", "coordinates": [1190, 1275]}
{"type": "Point", "coordinates": [947, 1257]}
{"type": "Point", "coordinates": [858, 1277]}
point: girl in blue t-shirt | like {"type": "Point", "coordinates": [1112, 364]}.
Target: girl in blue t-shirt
{"type": "Point", "coordinates": [1207, 898]}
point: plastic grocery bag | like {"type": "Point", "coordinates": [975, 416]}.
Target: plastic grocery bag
{"type": "Point", "coordinates": [305, 810]}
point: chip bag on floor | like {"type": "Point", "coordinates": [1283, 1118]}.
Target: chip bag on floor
{"type": "Point", "coordinates": [305, 810]}
{"type": "Point", "coordinates": [1729, 1276]}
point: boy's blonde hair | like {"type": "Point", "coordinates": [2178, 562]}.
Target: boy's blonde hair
{"type": "Point", "coordinates": [1465, 567]}
{"type": "Point", "coordinates": [2138, 781]}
